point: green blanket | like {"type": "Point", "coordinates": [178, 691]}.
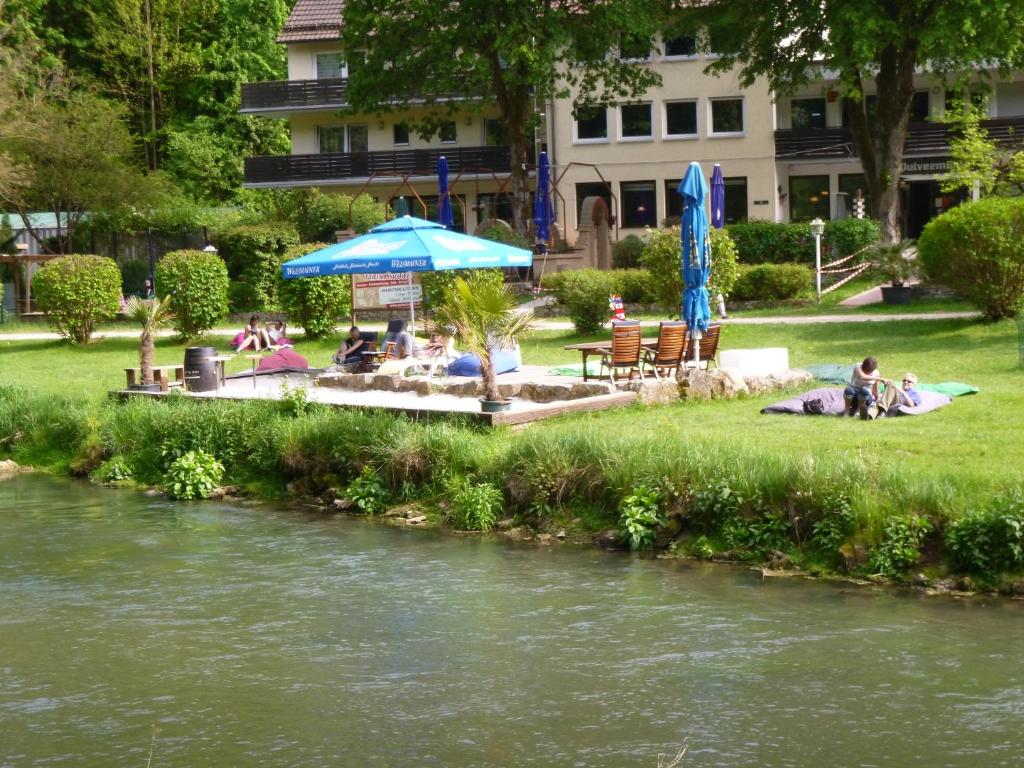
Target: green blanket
{"type": "Point", "coordinates": [593, 369]}
{"type": "Point", "coordinates": [834, 373]}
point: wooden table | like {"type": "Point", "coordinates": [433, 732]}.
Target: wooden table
{"type": "Point", "coordinates": [218, 362]}
{"type": "Point", "coordinates": [588, 348]}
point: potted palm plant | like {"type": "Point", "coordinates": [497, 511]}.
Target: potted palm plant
{"type": "Point", "coordinates": [891, 262]}
{"type": "Point", "coordinates": [151, 314]}
{"type": "Point", "coordinates": [484, 316]}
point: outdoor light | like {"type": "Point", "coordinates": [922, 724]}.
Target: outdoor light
{"type": "Point", "coordinates": [209, 248]}
{"type": "Point", "coordinates": [817, 229]}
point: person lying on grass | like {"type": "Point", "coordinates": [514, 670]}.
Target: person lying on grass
{"type": "Point", "coordinates": [893, 397]}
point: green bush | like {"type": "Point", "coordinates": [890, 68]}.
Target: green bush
{"type": "Point", "coordinates": [662, 257]}
{"type": "Point", "coordinates": [253, 254]}
{"type": "Point", "coordinates": [134, 274]}
{"type": "Point", "coordinates": [193, 475]}
{"type": "Point", "coordinates": [114, 470]}
{"type": "Point", "coordinates": [772, 282]}
{"type": "Point", "coordinates": [506, 235]}
{"type": "Point", "coordinates": [846, 236]}
{"type": "Point", "coordinates": [770, 242]}
{"type": "Point", "coordinates": [319, 216]}
{"type": "Point", "coordinates": [435, 283]}
{"type": "Point", "coordinates": [640, 516]}
{"type": "Point", "coordinates": [626, 253]}
{"type": "Point", "coordinates": [368, 492]}
{"type": "Point", "coordinates": [900, 548]}
{"type": "Point", "coordinates": [584, 294]}
{"type": "Point", "coordinates": [474, 506]}
{"type": "Point", "coordinates": [635, 286]}
{"type": "Point", "coordinates": [315, 303]}
{"type": "Point", "coordinates": [978, 249]}
{"type": "Point", "coordinates": [990, 541]}
{"type": "Point", "coordinates": [242, 297]}
{"type": "Point", "coordinates": [198, 284]}
{"type": "Point", "coordinates": [76, 292]}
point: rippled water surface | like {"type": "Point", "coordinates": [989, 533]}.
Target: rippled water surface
{"type": "Point", "coordinates": [218, 635]}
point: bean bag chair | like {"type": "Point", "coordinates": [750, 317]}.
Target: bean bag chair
{"type": "Point", "coordinates": [283, 358]}
{"type": "Point", "coordinates": [469, 364]}
{"type": "Point", "coordinates": [832, 403]}
{"type": "Point", "coordinates": [239, 338]}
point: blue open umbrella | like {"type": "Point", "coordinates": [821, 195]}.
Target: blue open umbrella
{"type": "Point", "coordinates": [444, 206]}
{"type": "Point", "coordinates": [717, 198]}
{"type": "Point", "coordinates": [542, 214]}
{"type": "Point", "coordinates": [406, 244]}
{"type": "Point", "coordinates": [696, 254]}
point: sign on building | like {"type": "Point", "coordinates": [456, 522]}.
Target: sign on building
{"type": "Point", "coordinates": [386, 290]}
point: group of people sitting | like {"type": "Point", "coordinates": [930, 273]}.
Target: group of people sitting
{"type": "Point", "coordinates": [350, 354]}
{"type": "Point", "coordinates": [862, 396]}
{"type": "Point", "coordinates": [256, 337]}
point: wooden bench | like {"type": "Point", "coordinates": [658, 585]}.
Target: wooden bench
{"type": "Point", "coordinates": [160, 376]}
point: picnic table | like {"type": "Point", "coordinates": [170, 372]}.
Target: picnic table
{"type": "Point", "coordinates": [588, 348]}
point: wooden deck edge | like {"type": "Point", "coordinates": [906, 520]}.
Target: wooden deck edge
{"type": "Point", "coordinates": [561, 407]}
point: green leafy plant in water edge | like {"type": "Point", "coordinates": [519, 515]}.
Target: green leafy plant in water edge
{"type": "Point", "coordinates": [193, 475]}
{"type": "Point", "coordinates": [900, 548]}
{"type": "Point", "coordinates": [640, 516]}
{"type": "Point", "coordinates": [368, 492]}
{"type": "Point", "coordinates": [293, 400]}
{"type": "Point", "coordinates": [475, 506]}
{"type": "Point", "coordinates": [114, 470]}
{"type": "Point", "coordinates": [991, 541]}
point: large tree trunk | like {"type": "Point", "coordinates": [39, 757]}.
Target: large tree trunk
{"type": "Point", "coordinates": [516, 105]}
{"type": "Point", "coordinates": [880, 138]}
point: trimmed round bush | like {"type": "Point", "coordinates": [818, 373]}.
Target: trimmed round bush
{"type": "Point", "coordinates": [315, 303]}
{"type": "Point", "coordinates": [846, 236]}
{"type": "Point", "coordinates": [978, 249]}
{"type": "Point", "coordinates": [253, 253]}
{"type": "Point", "coordinates": [198, 284]}
{"type": "Point", "coordinates": [663, 259]}
{"type": "Point", "coordinates": [626, 252]}
{"type": "Point", "coordinates": [770, 242]}
{"type": "Point", "coordinates": [584, 294]}
{"type": "Point", "coordinates": [772, 282]}
{"type": "Point", "coordinates": [76, 292]}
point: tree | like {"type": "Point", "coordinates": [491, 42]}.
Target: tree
{"type": "Point", "coordinates": [978, 160]}
{"type": "Point", "coordinates": [151, 315]}
{"type": "Point", "coordinates": [793, 42]}
{"type": "Point", "coordinates": [516, 54]}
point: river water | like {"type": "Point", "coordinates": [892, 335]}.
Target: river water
{"type": "Point", "coordinates": [216, 634]}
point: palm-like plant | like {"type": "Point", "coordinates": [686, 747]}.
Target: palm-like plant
{"type": "Point", "coordinates": [150, 314]}
{"type": "Point", "coordinates": [484, 316]}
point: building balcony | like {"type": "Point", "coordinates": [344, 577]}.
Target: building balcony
{"type": "Point", "coordinates": [337, 168]}
{"type": "Point", "coordinates": [291, 95]}
{"type": "Point", "coordinates": [922, 139]}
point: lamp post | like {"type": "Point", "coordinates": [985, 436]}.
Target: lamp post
{"type": "Point", "coordinates": [817, 229]}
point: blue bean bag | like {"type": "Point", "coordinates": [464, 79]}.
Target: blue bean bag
{"type": "Point", "coordinates": [469, 364]}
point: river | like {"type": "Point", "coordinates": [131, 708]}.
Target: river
{"type": "Point", "coordinates": [219, 634]}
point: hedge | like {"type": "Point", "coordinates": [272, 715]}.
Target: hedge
{"type": "Point", "coordinates": [315, 303]}
{"type": "Point", "coordinates": [979, 249]}
{"type": "Point", "coordinates": [663, 258]}
{"type": "Point", "coordinates": [772, 282]}
{"type": "Point", "coordinates": [198, 283]}
{"type": "Point", "coordinates": [769, 242]}
{"type": "Point", "coordinates": [253, 253]}
{"type": "Point", "coordinates": [76, 292]}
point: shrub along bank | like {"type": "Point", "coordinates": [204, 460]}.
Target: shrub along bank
{"type": "Point", "coordinates": [832, 515]}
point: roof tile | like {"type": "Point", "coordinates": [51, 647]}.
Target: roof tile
{"type": "Point", "coordinates": [313, 20]}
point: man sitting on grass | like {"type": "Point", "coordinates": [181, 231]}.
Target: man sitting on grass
{"type": "Point", "coordinates": [893, 397]}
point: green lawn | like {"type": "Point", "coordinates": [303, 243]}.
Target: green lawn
{"type": "Point", "coordinates": [974, 443]}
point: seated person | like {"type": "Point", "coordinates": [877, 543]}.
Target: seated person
{"type": "Point", "coordinates": [350, 353]}
{"type": "Point", "coordinates": [893, 397]}
{"type": "Point", "coordinates": [277, 332]}
{"type": "Point", "coordinates": [405, 346]}
{"type": "Point", "coordinates": [252, 336]}
{"type": "Point", "coordinates": [441, 344]}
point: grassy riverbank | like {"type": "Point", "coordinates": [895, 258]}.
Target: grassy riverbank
{"type": "Point", "coordinates": [828, 493]}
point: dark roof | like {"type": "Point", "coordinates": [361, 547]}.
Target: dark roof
{"type": "Point", "coordinates": [313, 20]}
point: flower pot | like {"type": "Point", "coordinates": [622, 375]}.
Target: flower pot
{"type": "Point", "coordinates": [144, 387]}
{"type": "Point", "coordinates": [895, 294]}
{"type": "Point", "coordinates": [494, 406]}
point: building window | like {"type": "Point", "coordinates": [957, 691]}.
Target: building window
{"type": "Point", "coordinates": [639, 204]}
{"type": "Point", "coordinates": [593, 189]}
{"type": "Point", "coordinates": [635, 121]}
{"type": "Point", "coordinates": [808, 198]}
{"type": "Point", "coordinates": [448, 133]}
{"type": "Point", "coordinates": [680, 47]}
{"type": "Point", "coordinates": [400, 131]}
{"type": "Point", "coordinates": [495, 133]}
{"type": "Point", "coordinates": [634, 47]}
{"type": "Point", "coordinates": [329, 65]}
{"type": "Point", "coordinates": [735, 199]}
{"type": "Point", "coordinates": [592, 124]}
{"type": "Point", "coordinates": [807, 113]}
{"type": "Point", "coordinates": [358, 138]}
{"type": "Point", "coordinates": [849, 185]}
{"type": "Point", "coordinates": [681, 118]}
{"type": "Point", "coordinates": [492, 206]}
{"type": "Point", "coordinates": [726, 116]}
{"type": "Point", "coordinates": [673, 201]}
{"type": "Point", "coordinates": [330, 138]}
{"type": "Point", "coordinates": [919, 107]}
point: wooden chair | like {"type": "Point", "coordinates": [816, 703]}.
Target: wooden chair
{"type": "Point", "coordinates": [708, 352]}
{"type": "Point", "coordinates": [624, 351]}
{"type": "Point", "coordinates": [664, 359]}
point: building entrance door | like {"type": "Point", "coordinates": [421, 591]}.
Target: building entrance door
{"type": "Point", "coordinates": [922, 201]}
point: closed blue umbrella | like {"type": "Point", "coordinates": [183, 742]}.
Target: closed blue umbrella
{"type": "Point", "coordinates": [717, 198]}
{"type": "Point", "coordinates": [696, 254]}
{"type": "Point", "coordinates": [542, 214]}
{"type": "Point", "coordinates": [444, 207]}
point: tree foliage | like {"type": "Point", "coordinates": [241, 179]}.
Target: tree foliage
{"type": "Point", "coordinates": [515, 54]}
{"type": "Point", "coordinates": [978, 160]}
{"type": "Point", "coordinates": [794, 42]}
{"type": "Point", "coordinates": [315, 303]}
{"type": "Point", "coordinates": [76, 292]}
{"type": "Point", "coordinates": [198, 284]}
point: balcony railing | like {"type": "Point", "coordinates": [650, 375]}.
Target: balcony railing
{"type": "Point", "coordinates": [922, 139]}
{"type": "Point", "coordinates": [284, 95]}
{"type": "Point", "coordinates": [297, 170]}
